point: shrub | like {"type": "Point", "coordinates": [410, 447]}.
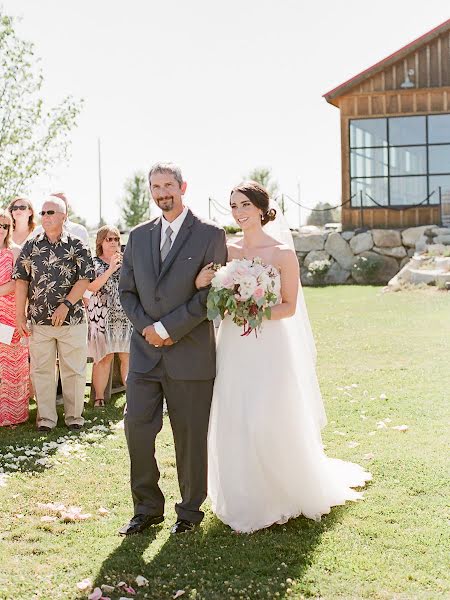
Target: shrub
{"type": "Point", "coordinates": [366, 268]}
{"type": "Point", "coordinates": [317, 270]}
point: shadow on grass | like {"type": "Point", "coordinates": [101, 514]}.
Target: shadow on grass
{"type": "Point", "coordinates": [215, 563]}
{"type": "Point", "coordinates": [18, 440]}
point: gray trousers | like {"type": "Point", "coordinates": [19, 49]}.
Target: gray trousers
{"type": "Point", "coordinates": [188, 404]}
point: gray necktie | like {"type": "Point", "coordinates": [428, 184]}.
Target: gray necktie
{"type": "Point", "coordinates": [167, 243]}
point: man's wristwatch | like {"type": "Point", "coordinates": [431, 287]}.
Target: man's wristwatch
{"type": "Point", "coordinates": [68, 303]}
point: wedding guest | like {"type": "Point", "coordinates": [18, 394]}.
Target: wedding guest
{"type": "Point", "coordinates": [14, 368]}
{"type": "Point", "coordinates": [109, 327]}
{"type": "Point", "coordinates": [52, 272]}
{"type": "Point", "coordinates": [24, 224]}
{"type": "Point", "coordinates": [75, 229]}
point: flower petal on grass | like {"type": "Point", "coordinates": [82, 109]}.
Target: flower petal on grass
{"type": "Point", "coordinates": [103, 511]}
{"type": "Point", "coordinates": [369, 456]}
{"type": "Point", "coordinates": [84, 585]}
{"type": "Point", "coordinates": [141, 581]}
{"type": "Point", "coordinates": [52, 507]}
{"type": "Point", "coordinates": [96, 594]}
{"type": "Point", "coordinates": [352, 444]}
{"type": "Point", "coordinates": [339, 433]}
{"type": "Point", "coordinates": [401, 427]}
{"type": "Point", "coordinates": [48, 519]}
{"type": "Point", "coordinates": [178, 593]}
{"type": "Point", "coordinates": [107, 588]}
{"type": "Point", "coordinates": [381, 425]}
{"type": "Point", "coordinates": [383, 397]}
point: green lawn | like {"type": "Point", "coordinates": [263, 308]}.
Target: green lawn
{"type": "Point", "coordinates": [392, 545]}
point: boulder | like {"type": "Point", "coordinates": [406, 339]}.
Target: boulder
{"type": "Point", "coordinates": [404, 261]}
{"type": "Point", "coordinates": [312, 241]}
{"type": "Point", "coordinates": [361, 242]}
{"type": "Point", "coordinates": [336, 275]}
{"type": "Point", "coordinates": [305, 277]}
{"type": "Point", "coordinates": [411, 252]}
{"type": "Point", "coordinates": [386, 238]}
{"type": "Point", "coordinates": [386, 268]}
{"type": "Point", "coordinates": [411, 235]}
{"type": "Point", "coordinates": [307, 229]}
{"type": "Point", "coordinates": [442, 239]}
{"type": "Point", "coordinates": [422, 243]}
{"type": "Point", "coordinates": [339, 249]}
{"type": "Point", "coordinates": [398, 252]}
{"type": "Point", "coordinates": [315, 255]}
{"type": "Point", "coordinates": [347, 235]}
{"type": "Point", "coordinates": [440, 231]}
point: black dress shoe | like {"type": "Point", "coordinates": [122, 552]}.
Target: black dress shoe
{"type": "Point", "coordinates": [75, 427]}
{"type": "Point", "coordinates": [140, 522]}
{"type": "Point", "coordinates": [182, 526]}
{"type": "Point", "coordinates": [44, 428]}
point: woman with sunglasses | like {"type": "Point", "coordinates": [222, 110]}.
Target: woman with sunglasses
{"type": "Point", "coordinates": [22, 213]}
{"type": "Point", "coordinates": [14, 368]}
{"type": "Point", "coordinates": [109, 327]}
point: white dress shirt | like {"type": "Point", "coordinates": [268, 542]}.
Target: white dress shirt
{"type": "Point", "coordinates": [175, 226]}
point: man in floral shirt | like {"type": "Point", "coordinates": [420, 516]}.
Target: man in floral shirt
{"type": "Point", "coordinates": [52, 273]}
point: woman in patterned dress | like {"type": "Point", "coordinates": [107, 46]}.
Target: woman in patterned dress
{"type": "Point", "coordinates": [14, 367]}
{"type": "Point", "coordinates": [109, 327]}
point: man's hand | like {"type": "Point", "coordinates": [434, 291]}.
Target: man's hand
{"type": "Point", "coordinates": [169, 342]}
{"type": "Point", "coordinates": [59, 315]}
{"type": "Point", "coordinates": [152, 337]}
{"type": "Point", "coordinates": [21, 324]}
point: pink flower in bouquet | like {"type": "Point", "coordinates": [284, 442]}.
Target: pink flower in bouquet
{"type": "Point", "coordinates": [258, 293]}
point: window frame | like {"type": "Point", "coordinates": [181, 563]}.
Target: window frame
{"type": "Point", "coordinates": [355, 199]}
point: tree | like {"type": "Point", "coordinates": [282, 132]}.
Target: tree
{"type": "Point", "coordinates": [136, 203]}
{"type": "Point", "coordinates": [32, 138]}
{"type": "Point", "coordinates": [263, 175]}
{"type": "Point", "coordinates": [76, 218]}
{"type": "Point", "coordinates": [325, 214]}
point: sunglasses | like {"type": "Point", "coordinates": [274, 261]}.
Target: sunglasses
{"type": "Point", "coordinates": [112, 239]}
{"type": "Point", "coordinates": [4, 226]}
{"type": "Point", "coordinates": [19, 207]}
{"type": "Point", "coordinates": [47, 212]}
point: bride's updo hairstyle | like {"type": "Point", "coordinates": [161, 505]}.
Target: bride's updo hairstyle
{"type": "Point", "coordinates": [259, 197]}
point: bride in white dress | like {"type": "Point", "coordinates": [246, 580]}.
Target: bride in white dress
{"type": "Point", "coordinates": [266, 462]}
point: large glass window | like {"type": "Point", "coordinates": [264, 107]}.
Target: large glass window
{"type": "Point", "coordinates": [439, 129]}
{"type": "Point", "coordinates": [368, 133]}
{"type": "Point", "coordinates": [407, 130]}
{"type": "Point", "coordinates": [399, 161]}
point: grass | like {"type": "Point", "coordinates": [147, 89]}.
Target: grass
{"type": "Point", "coordinates": [392, 545]}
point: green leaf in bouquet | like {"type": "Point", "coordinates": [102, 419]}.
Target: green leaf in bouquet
{"type": "Point", "coordinates": [212, 313]}
{"type": "Point", "coordinates": [268, 312]}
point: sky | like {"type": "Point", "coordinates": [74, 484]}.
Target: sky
{"type": "Point", "coordinates": [218, 87]}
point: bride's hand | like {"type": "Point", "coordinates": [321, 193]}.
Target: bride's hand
{"type": "Point", "coordinates": [205, 276]}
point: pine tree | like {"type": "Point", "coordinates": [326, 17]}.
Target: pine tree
{"type": "Point", "coordinates": [136, 203]}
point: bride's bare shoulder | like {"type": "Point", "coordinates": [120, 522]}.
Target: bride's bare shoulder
{"type": "Point", "coordinates": [234, 249]}
{"type": "Point", "coordinates": [285, 256]}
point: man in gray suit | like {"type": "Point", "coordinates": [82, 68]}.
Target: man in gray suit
{"type": "Point", "coordinates": [172, 352]}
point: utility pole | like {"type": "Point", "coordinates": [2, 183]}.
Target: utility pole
{"type": "Point", "coordinates": [99, 182]}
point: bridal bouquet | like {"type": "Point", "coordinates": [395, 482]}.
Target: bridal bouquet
{"type": "Point", "coordinates": [245, 290]}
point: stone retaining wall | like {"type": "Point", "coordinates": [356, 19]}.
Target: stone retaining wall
{"type": "Point", "coordinates": [373, 256]}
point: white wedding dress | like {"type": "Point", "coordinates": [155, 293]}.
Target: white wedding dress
{"type": "Point", "coordinates": [266, 462]}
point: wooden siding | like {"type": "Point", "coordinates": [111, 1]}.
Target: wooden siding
{"type": "Point", "coordinates": [381, 218]}
{"type": "Point", "coordinates": [431, 65]}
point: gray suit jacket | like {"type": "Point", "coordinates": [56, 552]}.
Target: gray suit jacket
{"type": "Point", "coordinates": [152, 292]}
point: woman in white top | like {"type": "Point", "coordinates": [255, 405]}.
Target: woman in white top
{"type": "Point", "coordinates": [24, 224]}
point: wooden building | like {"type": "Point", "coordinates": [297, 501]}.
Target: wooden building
{"type": "Point", "coordinates": [395, 137]}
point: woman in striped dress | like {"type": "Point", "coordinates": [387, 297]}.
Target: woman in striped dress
{"type": "Point", "coordinates": [14, 368]}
